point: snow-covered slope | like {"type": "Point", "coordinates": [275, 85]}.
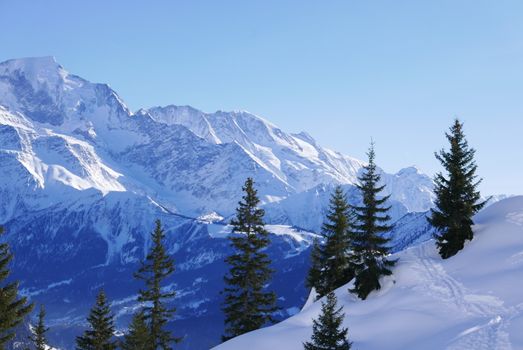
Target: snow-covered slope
{"type": "Point", "coordinates": [470, 301]}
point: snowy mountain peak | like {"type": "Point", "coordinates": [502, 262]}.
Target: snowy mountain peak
{"type": "Point", "coordinates": [45, 92]}
{"type": "Point", "coordinates": [40, 72]}
{"type": "Point", "coordinates": [32, 66]}
{"type": "Point", "coordinates": [411, 170]}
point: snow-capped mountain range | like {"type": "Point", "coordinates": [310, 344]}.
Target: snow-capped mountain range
{"type": "Point", "coordinates": [61, 133]}
{"type": "Point", "coordinates": [82, 179]}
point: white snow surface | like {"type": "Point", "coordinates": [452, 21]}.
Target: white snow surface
{"type": "Point", "coordinates": [300, 239]}
{"type": "Point", "coordinates": [472, 301]}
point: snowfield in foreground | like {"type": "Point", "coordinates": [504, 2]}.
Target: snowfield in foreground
{"type": "Point", "coordinates": [471, 301]}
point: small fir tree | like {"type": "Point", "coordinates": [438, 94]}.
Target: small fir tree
{"type": "Point", "coordinates": [99, 336]}
{"type": "Point", "coordinates": [370, 246]}
{"type": "Point", "coordinates": [327, 331]}
{"type": "Point", "coordinates": [338, 268]}
{"type": "Point", "coordinates": [38, 338]}
{"type": "Point", "coordinates": [157, 267]}
{"type": "Point", "coordinates": [331, 264]}
{"type": "Point", "coordinates": [13, 309]}
{"type": "Point", "coordinates": [248, 306]}
{"type": "Point", "coordinates": [137, 337]}
{"type": "Point", "coordinates": [457, 195]}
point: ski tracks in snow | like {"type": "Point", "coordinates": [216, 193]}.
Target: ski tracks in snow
{"type": "Point", "coordinates": [492, 333]}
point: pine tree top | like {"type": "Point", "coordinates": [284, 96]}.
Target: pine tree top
{"type": "Point", "coordinates": [368, 184]}
{"type": "Point", "coordinates": [339, 214]}
{"type": "Point", "coordinates": [100, 334]}
{"type": "Point", "coordinates": [157, 250]}
{"type": "Point", "coordinates": [457, 194]}
{"type": "Point", "coordinates": [327, 330]}
{"type": "Point", "coordinates": [249, 217]}
{"type": "Point", "coordinates": [157, 266]}
{"type": "Point", "coordinates": [138, 337]}
{"type": "Point", "coordinates": [461, 180]}
{"type": "Point", "coordinates": [371, 217]}
{"type": "Point", "coordinates": [372, 221]}
{"type": "Point", "coordinates": [331, 265]}
{"type": "Point", "coordinates": [38, 338]}
{"type": "Point", "coordinates": [247, 305]}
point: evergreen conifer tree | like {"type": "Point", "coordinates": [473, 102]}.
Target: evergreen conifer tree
{"type": "Point", "coordinates": [370, 246]}
{"type": "Point", "coordinates": [38, 338]}
{"type": "Point", "coordinates": [457, 196]}
{"type": "Point", "coordinates": [157, 267]}
{"type": "Point", "coordinates": [13, 309]}
{"type": "Point", "coordinates": [337, 232]}
{"type": "Point", "coordinates": [99, 336]}
{"type": "Point", "coordinates": [138, 336]}
{"type": "Point", "coordinates": [327, 331]}
{"type": "Point", "coordinates": [248, 306]}
{"type": "Point", "coordinates": [331, 264]}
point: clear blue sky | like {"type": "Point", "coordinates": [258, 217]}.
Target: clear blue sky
{"type": "Point", "coordinates": [344, 71]}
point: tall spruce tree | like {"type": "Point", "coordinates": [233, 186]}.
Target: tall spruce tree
{"type": "Point", "coordinates": [137, 338]}
{"type": "Point", "coordinates": [248, 306]}
{"type": "Point", "coordinates": [99, 336]}
{"type": "Point", "coordinates": [327, 331]}
{"type": "Point", "coordinates": [157, 267]}
{"type": "Point", "coordinates": [370, 245]}
{"type": "Point", "coordinates": [38, 337]}
{"type": "Point", "coordinates": [457, 196]}
{"type": "Point", "coordinates": [331, 264]}
{"type": "Point", "coordinates": [13, 309]}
